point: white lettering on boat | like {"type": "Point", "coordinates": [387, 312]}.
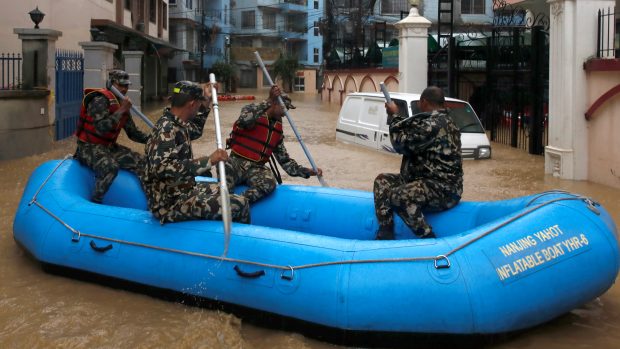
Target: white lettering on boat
{"type": "Point", "coordinates": [533, 254]}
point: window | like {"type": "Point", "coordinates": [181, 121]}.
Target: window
{"type": "Point", "coordinates": [172, 2]}
{"type": "Point", "coordinates": [472, 7]}
{"type": "Point", "coordinates": [395, 6]}
{"type": "Point", "coordinates": [269, 20]}
{"type": "Point", "coordinates": [127, 4]}
{"type": "Point", "coordinates": [226, 14]}
{"type": "Point", "coordinates": [248, 20]}
{"type": "Point", "coordinates": [316, 28]}
{"type": "Point", "coordinates": [152, 11]}
{"type": "Point", "coordinates": [189, 4]}
{"type": "Point", "coordinates": [316, 4]}
{"type": "Point", "coordinates": [165, 16]}
{"type": "Point", "coordinates": [316, 55]}
{"type": "Point", "coordinates": [299, 84]}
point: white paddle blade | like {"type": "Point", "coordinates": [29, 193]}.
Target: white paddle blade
{"type": "Point", "coordinates": [226, 217]}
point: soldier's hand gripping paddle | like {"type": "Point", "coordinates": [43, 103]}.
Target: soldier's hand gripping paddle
{"type": "Point", "coordinates": [134, 110]}
{"type": "Point", "coordinates": [290, 121]}
{"type": "Point", "coordinates": [225, 197]}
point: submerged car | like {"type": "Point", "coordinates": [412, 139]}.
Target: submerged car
{"type": "Point", "coordinates": [363, 120]}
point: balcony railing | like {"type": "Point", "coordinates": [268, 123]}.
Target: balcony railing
{"type": "Point", "coordinates": [607, 43]}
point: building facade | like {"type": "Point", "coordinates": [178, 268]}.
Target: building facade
{"type": "Point", "coordinates": [275, 27]}
{"type": "Point", "coordinates": [132, 25]}
{"type": "Point", "coordinates": [200, 28]}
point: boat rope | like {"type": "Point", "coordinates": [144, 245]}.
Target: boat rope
{"type": "Point", "coordinates": [78, 234]}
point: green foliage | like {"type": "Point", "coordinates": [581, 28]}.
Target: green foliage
{"type": "Point", "coordinates": [285, 68]}
{"type": "Point", "coordinates": [224, 72]}
{"type": "Point", "coordinates": [374, 55]}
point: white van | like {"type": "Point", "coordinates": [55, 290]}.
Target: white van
{"type": "Point", "coordinates": [363, 121]}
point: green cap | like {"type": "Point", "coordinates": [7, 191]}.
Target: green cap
{"type": "Point", "coordinates": [119, 76]}
{"type": "Point", "coordinates": [189, 88]}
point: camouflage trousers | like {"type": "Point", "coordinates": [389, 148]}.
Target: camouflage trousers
{"type": "Point", "coordinates": [105, 161]}
{"type": "Point", "coordinates": [258, 177]}
{"type": "Point", "coordinates": [409, 199]}
{"type": "Point", "coordinates": [202, 201]}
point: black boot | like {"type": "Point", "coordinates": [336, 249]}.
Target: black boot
{"type": "Point", "coordinates": [385, 233]}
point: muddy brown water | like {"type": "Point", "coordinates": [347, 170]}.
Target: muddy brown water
{"type": "Point", "coordinates": [48, 311]}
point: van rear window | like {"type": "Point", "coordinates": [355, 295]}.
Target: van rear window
{"type": "Point", "coordinates": [351, 110]}
{"type": "Point", "coordinates": [461, 113]}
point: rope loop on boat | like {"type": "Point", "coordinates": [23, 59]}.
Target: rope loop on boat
{"type": "Point", "coordinates": [76, 235]}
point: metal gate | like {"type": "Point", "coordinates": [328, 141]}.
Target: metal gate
{"type": "Point", "coordinates": [503, 70]}
{"type": "Point", "coordinates": [69, 91]}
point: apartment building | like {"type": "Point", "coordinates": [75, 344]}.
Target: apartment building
{"type": "Point", "coordinates": [274, 27]}
{"type": "Point", "coordinates": [200, 28]}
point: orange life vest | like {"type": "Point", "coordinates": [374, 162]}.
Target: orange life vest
{"type": "Point", "coordinates": [258, 143]}
{"type": "Point", "coordinates": [86, 130]}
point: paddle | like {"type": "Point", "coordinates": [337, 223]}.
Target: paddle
{"type": "Point", "coordinates": [225, 197]}
{"type": "Point", "coordinates": [290, 121]}
{"type": "Point", "coordinates": [386, 93]}
{"type": "Point", "coordinates": [118, 94]}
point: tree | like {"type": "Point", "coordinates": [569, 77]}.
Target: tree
{"type": "Point", "coordinates": [224, 72]}
{"type": "Point", "coordinates": [285, 68]}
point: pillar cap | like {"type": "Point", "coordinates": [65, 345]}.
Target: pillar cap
{"type": "Point", "coordinates": [37, 34]}
{"type": "Point", "coordinates": [413, 20]}
{"type": "Point", "coordinates": [97, 45]}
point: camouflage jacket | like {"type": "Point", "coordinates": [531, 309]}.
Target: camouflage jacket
{"type": "Point", "coordinates": [170, 166]}
{"type": "Point", "coordinates": [99, 109]}
{"type": "Point", "coordinates": [431, 147]}
{"type": "Point", "coordinates": [247, 120]}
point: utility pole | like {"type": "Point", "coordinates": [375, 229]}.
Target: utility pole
{"type": "Point", "coordinates": [202, 39]}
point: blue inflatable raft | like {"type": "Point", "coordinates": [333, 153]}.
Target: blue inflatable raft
{"type": "Point", "coordinates": [309, 254]}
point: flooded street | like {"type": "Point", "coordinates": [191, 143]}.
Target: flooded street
{"type": "Point", "coordinates": [40, 310]}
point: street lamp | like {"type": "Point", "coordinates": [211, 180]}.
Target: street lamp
{"type": "Point", "coordinates": [36, 16]}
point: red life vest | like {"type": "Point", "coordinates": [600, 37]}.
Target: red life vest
{"type": "Point", "coordinates": [86, 130]}
{"type": "Point", "coordinates": [258, 143]}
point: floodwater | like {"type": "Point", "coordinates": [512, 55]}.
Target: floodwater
{"type": "Point", "coordinates": [47, 311]}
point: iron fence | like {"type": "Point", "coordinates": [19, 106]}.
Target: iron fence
{"type": "Point", "coordinates": [11, 71]}
{"type": "Point", "coordinates": [607, 45]}
{"type": "Point", "coordinates": [69, 91]}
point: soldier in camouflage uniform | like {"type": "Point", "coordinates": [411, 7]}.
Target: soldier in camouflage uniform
{"type": "Point", "coordinates": [431, 173]}
{"type": "Point", "coordinates": [172, 192]}
{"type": "Point", "coordinates": [101, 119]}
{"type": "Point", "coordinates": [256, 135]}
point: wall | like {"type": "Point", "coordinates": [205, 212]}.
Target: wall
{"type": "Point", "coordinates": [74, 28]}
{"type": "Point", "coordinates": [338, 83]}
{"type": "Point", "coordinates": [23, 129]}
{"type": "Point", "coordinates": [603, 130]}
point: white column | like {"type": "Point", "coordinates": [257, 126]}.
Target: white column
{"type": "Point", "coordinates": [98, 61]}
{"type": "Point", "coordinates": [572, 40]}
{"type": "Point", "coordinates": [133, 67]}
{"type": "Point", "coordinates": [412, 52]}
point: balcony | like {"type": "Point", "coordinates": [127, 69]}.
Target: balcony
{"type": "Point", "coordinates": [293, 6]}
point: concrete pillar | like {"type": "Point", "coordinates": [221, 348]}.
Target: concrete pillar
{"type": "Point", "coordinates": [412, 53]}
{"type": "Point", "coordinates": [39, 63]}
{"type": "Point", "coordinates": [39, 57]}
{"type": "Point", "coordinates": [98, 61]}
{"type": "Point", "coordinates": [572, 39]}
{"type": "Point", "coordinates": [133, 67]}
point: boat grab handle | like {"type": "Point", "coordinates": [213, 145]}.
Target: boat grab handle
{"type": "Point", "coordinates": [252, 275]}
{"type": "Point", "coordinates": [100, 249]}
{"type": "Point", "coordinates": [442, 266]}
